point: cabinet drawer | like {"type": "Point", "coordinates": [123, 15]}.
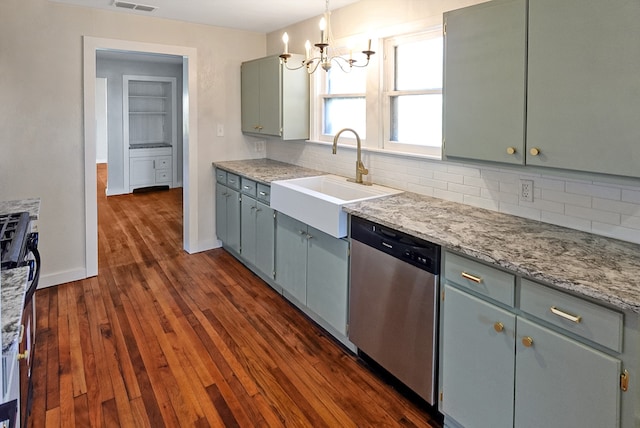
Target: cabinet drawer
{"type": "Point", "coordinates": [248, 187]}
{"type": "Point", "coordinates": [221, 176]}
{"type": "Point", "coordinates": [163, 162]}
{"type": "Point", "coordinates": [487, 281]}
{"type": "Point", "coordinates": [264, 193]}
{"type": "Point", "coordinates": [589, 320]}
{"type": "Point", "coordinates": [233, 181]}
{"type": "Point", "coordinates": [163, 175]}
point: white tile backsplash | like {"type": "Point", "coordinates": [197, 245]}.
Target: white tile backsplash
{"type": "Point", "coordinates": [585, 203]}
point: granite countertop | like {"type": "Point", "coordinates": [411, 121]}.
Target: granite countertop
{"type": "Point", "coordinates": [14, 286]}
{"type": "Point", "coordinates": [580, 262]}
{"type": "Point", "coordinates": [32, 206]}
{"type": "Point", "coordinates": [13, 282]}
{"type": "Point", "coordinates": [266, 170]}
{"type": "Point", "coordinates": [583, 263]}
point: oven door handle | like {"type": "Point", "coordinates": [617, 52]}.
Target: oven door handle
{"type": "Point", "coordinates": [36, 276]}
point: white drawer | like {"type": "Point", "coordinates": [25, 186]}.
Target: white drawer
{"type": "Point", "coordinates": [163, 162]}
{"type": "Point", "coordinates": [589, 320]}
{"type": "Point", "coordinates": [163, 175]}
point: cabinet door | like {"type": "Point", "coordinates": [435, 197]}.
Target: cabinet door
{"type": "Point", "coordinates": [484, 81]}
{"type": "Point", "coordinates": [327, 278]}
{"type": "Point", "coordinates": [563, 383]}
{"type": "Point", "coordinates": [291, 256]}
{"type": "Point", "coordinates": [233, 220]}
{"type": "Point", "coordinates": [270, 93]}
{"type": "Point", "coordinates": [583, 109]}
{"type": "Point", "coordinates": [250, 96]}
{"type": "Point", "coordinates": [265, 239]}
{"type": "Point", "coordinates": [221, 212]}
{"type": "Point", "coordinates": [477, 361]}
{"type": "Point", "coordinates": [248, 229]}
{"type": "Point", "coordinates": [142, 172]}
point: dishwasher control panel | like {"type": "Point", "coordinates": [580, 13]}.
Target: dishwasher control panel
{"type": "Point", "coordinates": [415, 251]}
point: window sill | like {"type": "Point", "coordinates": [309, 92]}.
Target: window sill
{"type": "Point", "coordinates": [395, 153]}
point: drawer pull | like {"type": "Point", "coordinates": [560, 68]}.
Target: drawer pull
{"type": "Point", "coordinates": [245, 187]}
{"type": "Point", "coordinates": [24, 355]}
{"type": "Point", "coordinates": [470, 277]}
{"type": "Point", "coordinates": [263, 193]}
{"type": "Point", "coordinates": [527, 341]}
{"type": "Point", "coordinates": [574, 318]}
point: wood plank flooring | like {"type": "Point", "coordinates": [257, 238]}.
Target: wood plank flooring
{"type": "Point", "coordinates": [162, 338]}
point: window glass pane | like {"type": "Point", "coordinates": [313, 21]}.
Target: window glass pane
{"type": "Point", "coordinates": [417, 119]}
{"type": "Point", "coordinates": [339, 82]}
{"type": "Point", "coordinates": [419, 64]}
{"type": "Point", "coordinates": [344, 113]}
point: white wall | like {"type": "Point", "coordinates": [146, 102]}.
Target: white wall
{"type": "Point", "coordinates": [41, 114]}
{"type": "Point", "coordinates": [594, 203]}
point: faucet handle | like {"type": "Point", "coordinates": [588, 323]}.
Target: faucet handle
{"type": "Point", "coordinates": [362, 169]}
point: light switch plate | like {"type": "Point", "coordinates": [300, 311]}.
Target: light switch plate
{"type": "Point", "coordinates": [220, 131]}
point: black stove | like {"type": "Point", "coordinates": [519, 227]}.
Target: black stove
{"type": "Point", "coordinates": [14, 237]}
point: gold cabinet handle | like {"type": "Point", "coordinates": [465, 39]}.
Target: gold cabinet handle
{"type": "Point", "coordinates": [511, 150]}
{"type": "Point", "coordinates": [24, 355]}
{"type": "Point", "coordinates": [499, 327]}
{"type": "Point", "coordinates": [470, 277]}
{"type": "Point", "coordinates": [573, 318]}
{"type": "Point", "coordinates": [534, 151]}
{"type": "Point", "coordinates": [527, 341]}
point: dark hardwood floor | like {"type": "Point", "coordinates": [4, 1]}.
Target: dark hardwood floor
{"type": "Point", "coordinates": [164, 338]}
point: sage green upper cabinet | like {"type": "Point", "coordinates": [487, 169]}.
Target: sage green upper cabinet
{"type": "Point", "coordinates": [583, 85]}
{"type": "Point", "coordinates": [484, 81]}
{"type": "Point", "coordinates": [275, 100]}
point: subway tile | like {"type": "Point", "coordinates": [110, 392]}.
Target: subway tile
{"type": "Point", "coordinates": [449, 196]}
{"type": "Point", "coordinates": [465, 190]}
{"type": "Point", "coordinates": [593, 190]}
{"type": "Point", "coordinates": [592, 214]}
{"type": "Point", "coordinates": [510, 198]}
{"type": "Point", "coordinates": [464, 170]}
{"type": "Point", "coordinates": [449, 177]}
{"type": "Point", "coordinates": [519, 210]}
{"type": "Point", "coordinates": [436, 184]}
{"type": "Point", "coordinates": [617, 232]}
{"type": "Point", "coordinates": [631, 196]}
{"type": "Point", "coordinates": [543, 205]}
{"type": "Point", "coordinates": [632, 222]}
{"type": "Point", "coordinates": [549, 184]}
{"type": "Point", "coordinates": [566, 221]}
{"type": "Point", "coordinates": [616, 206]}
{"type": "Point", "coordinates": [487, 204]}
{"type": "Point", "coordinates": [483, 183]}
{"type": "Point", "coordinates": [555, 196]}
{"type": "Point", "coordinates": [510, 187]}
{"type": "Point", "coordinates": [418, 188]}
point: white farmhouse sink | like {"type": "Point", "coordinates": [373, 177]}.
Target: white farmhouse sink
{"type": "Point", "coordinates": [317, 201]}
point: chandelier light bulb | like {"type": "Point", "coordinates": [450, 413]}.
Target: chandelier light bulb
{"type": "Point", "coordinates": [285, 39]}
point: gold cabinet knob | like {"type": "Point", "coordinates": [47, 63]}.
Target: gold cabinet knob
{"type": "Point", "coordinates": [24, 355]}
{"type": "Point", "coordinates": [527, 341]}
{"type": "Point", "coordinates": [534, 151]}
{"type": "Point", "coordinates": [499, 327]}
{"type": "Point", "coordinates": [511, 150]}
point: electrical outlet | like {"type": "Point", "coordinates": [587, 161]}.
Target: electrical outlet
{"type": "Point", "coordinates": [259, 146]}
{"type": "Point", "coordinates": [526, 190]}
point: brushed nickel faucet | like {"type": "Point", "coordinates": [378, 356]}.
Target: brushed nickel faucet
{"type": "Point", "coordinates": [360, 168]}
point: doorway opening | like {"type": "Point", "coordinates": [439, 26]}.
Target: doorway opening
{"type": "Point", "coordinates": [92, 47]}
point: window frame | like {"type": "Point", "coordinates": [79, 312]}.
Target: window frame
{"type": "Point", "coordinates": [321, 86]}
{"type": "Point", "coordinates": [388, 91]}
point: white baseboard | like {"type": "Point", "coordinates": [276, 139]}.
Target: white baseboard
{"type": "Point", "coordinates": [113, 192]}
{"type": "Point", "coordinates": [209, 244]}
{"type": "Point", "coordinates": [58, 278]}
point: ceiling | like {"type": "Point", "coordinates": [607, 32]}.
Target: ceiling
{"type": "Point", "coordinates": [262, 16]}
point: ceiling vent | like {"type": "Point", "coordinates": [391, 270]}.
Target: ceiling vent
{"type": "Point", "coordinates": [134, 6]}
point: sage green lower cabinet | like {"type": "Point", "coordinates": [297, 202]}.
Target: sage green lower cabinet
{"type": "Point", "coordinates": [313, 268]}
{"type": "Point", "coordinates": [258, 235]}
{"type": "Point", "coordinates": [561, 382]}
{"type": "Point", "coordinates": [540, 360]}
{"type": "Point", "coordinates": [478, 367]}
{"type": "Point", "coordinates": [228, 217]}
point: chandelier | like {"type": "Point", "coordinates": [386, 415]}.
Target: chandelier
{"type": "Point", "coordinates": [320, 57]}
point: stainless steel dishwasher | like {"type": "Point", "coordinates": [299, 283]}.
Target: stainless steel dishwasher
{"type": "Point", "coordinates": [392, 303]}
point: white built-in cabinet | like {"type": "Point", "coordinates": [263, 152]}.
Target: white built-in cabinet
{"type": "Point", "coordinates": [150, 131]}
